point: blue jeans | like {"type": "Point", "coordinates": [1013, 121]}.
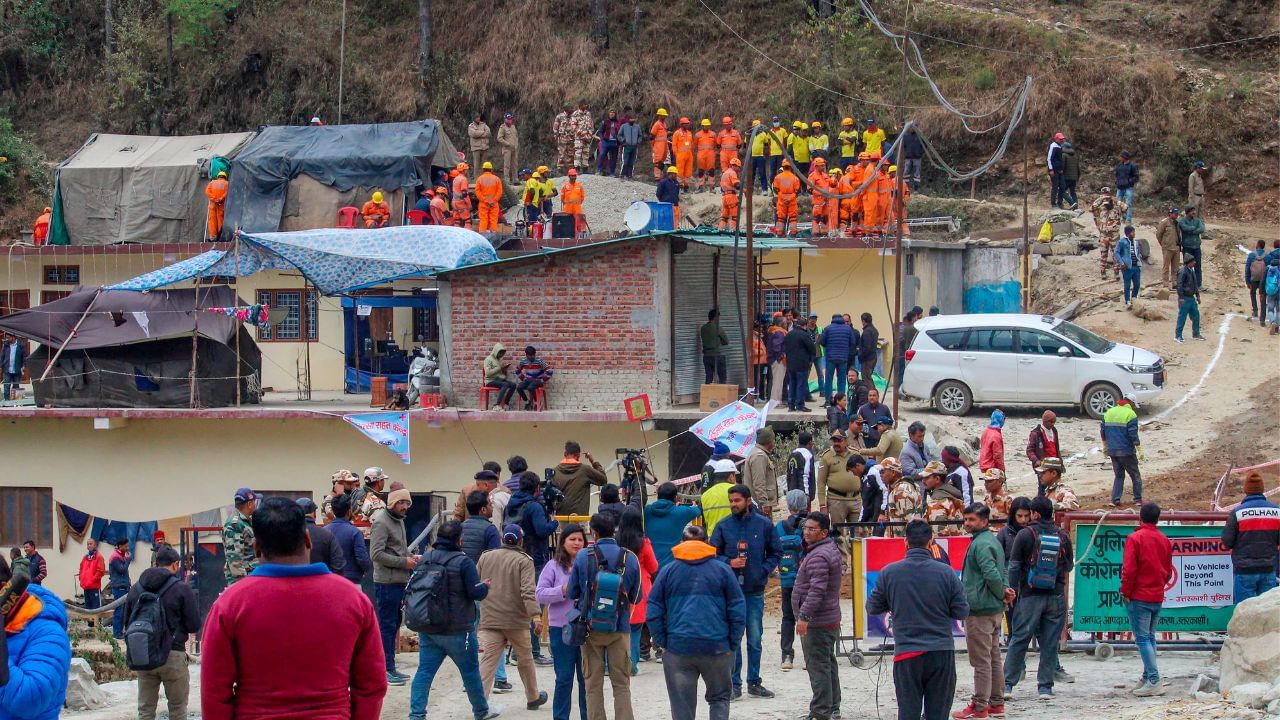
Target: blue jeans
{"type": "Point", "coordinates": [834, 379]}
{"type": "Point", "coordinates": [432, 650]}
{"type": "Point", "coordinates": [11, 381]}
{"type": "Point", "coordinates": [1132, 279]}
{"type": "Point", "coordinates": [568, 665]}
{"type": "Point", "coordinates": [1251, 585]}
{"type": "Point", "coordinates": [1195, 253]}
{"type": "Point", "coordinates": [775, 166]}
{"type": "Point", "coordinates": [628, 160]}
{"type": "Point", "coordinates": [798, 382]}
{"type": "Point", "coordinates": [607, 160]}
{"type": "Point", "coordinates": [754, 638]}
{"type": "Point", "coordinates": [1188, 307]}
{"type": "Point", "coordinates": [760, 166]}
{"type": "Point", "coordinates": [388, 597]}
{"type": "Point", "coordinates": [821, 364]}
{"type": "Point", "coordinates": [1041, 617]}
{"type": "Point", "coordinates": [117, 616]}
{"type": "Point", "coordinates": [1126, 195]}
{"type": "Point", "coordinates": [637, 629]}
{"type": "Point", "coordinates": [1143, 617]}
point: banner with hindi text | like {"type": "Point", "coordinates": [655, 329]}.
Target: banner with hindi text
{"type": "Point", "coordinates": [388, 429]}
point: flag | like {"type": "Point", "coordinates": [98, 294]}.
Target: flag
{"type": "Point", "coordinates": [734, 425]}
{"type": "Point", "coordinates": [388, 429]}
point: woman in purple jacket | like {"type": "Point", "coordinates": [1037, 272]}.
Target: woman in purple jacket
{"type": "Point", "coordinates": [553, 591]}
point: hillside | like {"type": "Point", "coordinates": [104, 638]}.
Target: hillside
{"type": "Point", "coordinates": [238, 64]}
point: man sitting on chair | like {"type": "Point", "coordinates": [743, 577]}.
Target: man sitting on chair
{"type": "Point", "coordinates": [532, 373]}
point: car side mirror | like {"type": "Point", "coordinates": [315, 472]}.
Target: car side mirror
{"type": "Point", "coordinates": [1064, 351]}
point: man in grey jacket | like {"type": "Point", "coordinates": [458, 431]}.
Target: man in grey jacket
{"type": "Point", "coordinates": [392, 565]}
{"type": "Point", "coordinates": [914, 456]}
{"type": "Point", "coordinates": [816, 601]}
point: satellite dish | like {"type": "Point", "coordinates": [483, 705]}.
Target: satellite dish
{"type": "Point", "coordinates": [638, 216]}
{"type": "Point", "coordinates": [277, 315]}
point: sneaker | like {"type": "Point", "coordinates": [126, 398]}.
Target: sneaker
{"type": "Point", "coordinates": [501, 686]}
{"type": "Point", "coordinates": [1060, 675]}
{"type": "Point", "coordinates": [835, 715]}
{"type": "Point", "coordinates": [399, 674]}
{"type": "Point", "coordinates": [542, 660]}
{"type": "Point", "coordinates": [737, 693]}
{"type": "Point", "coordinates": [1136, 686]}
{"type": "Point", "coordinates": [494, 711]}
{"type": "Point", "coordinates": [1149, 689]}
{"type": "Point", "coordinates": [1199, 337]}
{"type": "Point", "coordinates": [1046, 694]}
{"type": "Point", "coordinates": [394, 679]}
{"type": "Point", "coordinates": [969, 711]}
{"type": "Point", "coordinates": [759, 691]}
{"type": "Point", "coordinates": [787, 665]}
{"type": "Point", "coordinates": [1008, 692]}
{"type": "Point", "coordinates": [996, 711]}
{"type": "Point", "coordinates": [1178, 340]}
{"type": "Point", "coordinates": [542, 700]}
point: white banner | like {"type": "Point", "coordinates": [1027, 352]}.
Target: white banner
{"type": "Point", "coordinates": [1202, 574]}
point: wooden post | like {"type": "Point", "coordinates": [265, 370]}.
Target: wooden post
{"type": "Point", "coordinates": [195, 332]}
{"type": "Point", "coordinates": [898, 219]}
{"type": "Point", "coordinates": [235, 261]}
{"type": "Point", "coordinates": [751, 285]}
{"type": "Point", "coordinates": [49, 366]}
{"type": "Point", "coordinates": [1026, 227]}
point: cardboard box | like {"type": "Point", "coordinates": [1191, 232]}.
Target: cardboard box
{"type": "Point", "coordinates": [714, 397]}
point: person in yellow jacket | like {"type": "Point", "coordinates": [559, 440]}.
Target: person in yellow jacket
{"type": "Point", "coordinates": [729, 186]}
{"type": "Point", "coordinates": [819, 143]}
{"type": "Point", "coordinates": [775, 149]}
{"type": "Point", "coordinates": [532, 195]}
{"type": "Point", "coordinates": [548, 191]}
{"type": "Point", "coordinates": [848, 139]}
{"type": "Point", "coordinates": [821, 183]}
{"type": "Point", "coordinates": [760, 156]}
{"type": "Point", "coordinates": [873, 137]}
{"type": "Point", "coordinates": [798, 146]}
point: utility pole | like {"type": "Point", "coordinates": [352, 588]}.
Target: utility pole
{"type": "Point", "coordinates": [108, 29]}
{"type": "Point", "coordinates": [751, 277]}
{"type": "Point", "coordinates": [424, 36]}
{"type": "Point", "coordinates": [1026, 226]}
{"type": "Point", "coordinates": [898, 219]}
{"type": "Point", "coordinates": [342, 56]}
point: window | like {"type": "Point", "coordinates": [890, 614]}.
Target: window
{"type": "Point", "coordinates": [1092, 342]}
{"type": "Point", "coordinates": [426, 325]}
{"type": "Point", "coordinates": [949, 339]}
{"type": "Point", "coordinates": [48, 296]}
{"type": "Point", "coordinates": [26, 513]}
{"type": "Point", "coordinates": [297, 322]}
{"type": "Point", "coordinates": [909, 264]}
{"type": "Point", "coordinates": [1031, 342]}
{"type": "Point", "coordinates": [990, 340]}
{"type": "Point", "coordinates": [774, 299]}
{"type": "Point", "coordinates": [61, 274]}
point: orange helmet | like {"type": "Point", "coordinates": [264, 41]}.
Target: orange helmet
{"type": "Point", "coordinates": [726, 120]}
{"type": "Point", "coordinates": [684, 121]}
{"type": "Point", "coordinates": [819, 161]}
{"type": "Point", "coordinates": [735, 162]}
{"type": "Point", "coordinates": [864, 156]}
{"type": "Point", "coordinates": [875, 157]}
{"type": "Point", "coordinates": [573, 172]}
{"type": "Point", "coordinates": [463, 167]}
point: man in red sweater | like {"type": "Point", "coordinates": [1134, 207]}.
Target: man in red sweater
{"type": "Point", "coordinates": [291, 640]}
{"type": "Point", "coordinates": [92, 569]}
{"type": "Point", "coordinates": [1144, 574]}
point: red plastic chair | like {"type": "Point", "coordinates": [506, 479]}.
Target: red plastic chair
{"type": "Point", "coordinates": [347, 217]}
{"type": "Point", "coordinates": [485, 392]}
{"type": "Point", "coordinates": [417, 217]}
{"type": "Point", "coordinates": [540, 397]}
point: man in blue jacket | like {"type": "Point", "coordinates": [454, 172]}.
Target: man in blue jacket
{"type": "Point", "coordinates": [1126, 257]}
{"type": "Point", "coordinates": [697, 612]}
{"type": "Point", "coordinates": [350, 539]}
{"type": "Point", "coordinates": [664, 522]}
{"type": "Point", "coordinates": [1119, 433]}
{"type": "Point", "coordinates": [746, 540]}
{"type": "Point", "coordinates": [837, 342]}
{"type": "Point", "coordinates": [526, 510]}
{"type": "Point", "coordinates": [35, 637]}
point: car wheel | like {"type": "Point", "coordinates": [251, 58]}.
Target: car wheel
{"type": "Point", "coordinates": [1100, 398]}
{"type": "Point", "coordinates": [953, 398]}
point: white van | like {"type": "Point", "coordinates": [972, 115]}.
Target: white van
{"type": "Point", "coordinates": [957, 361]}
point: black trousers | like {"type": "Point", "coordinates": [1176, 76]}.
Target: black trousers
{"type": "Point", "coordinates": [788, 625]}
{"type": "Point", "coordinates": [715, 367]}
{"type": "Point", "coordinates": [925, 683]}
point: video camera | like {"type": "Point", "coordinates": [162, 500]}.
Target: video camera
{"type": "Point", "coordinates": [552, 496]}
{"type": "Point", "coordinates": [636, 474]}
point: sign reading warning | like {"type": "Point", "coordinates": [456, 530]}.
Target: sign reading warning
{"type": "Point", "coordinates": [1201, 574]}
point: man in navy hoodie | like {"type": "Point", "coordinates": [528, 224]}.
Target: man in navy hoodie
{"type": "Point", "coordinates": [747, 542]}
{"type": "Point", "coordinates": [837, 341]}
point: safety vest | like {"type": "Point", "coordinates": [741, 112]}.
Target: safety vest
{"type": "Point", "coordinates": [786, 183]}
{"type": "Point", "coordinates": [658, 130]}
{"type": "Point", "coordinates": [760, 143]}
{"type": "Point", "coordinates": [532, 192]}
{"type": "Point", "coordinates": [682, 141]}
{"type": "Point", "coordinates": [818, 143]}
{"type": "Point", "coordinates": [848, 143]}
{"type": "Point", "coordinates": [729, 140]}
{"type": "Point", "coordinates": [460, 187]}
{"type": "Point", "coordinates": [705, 141]}
{"type": "Point", "coordinates": [572, 193]}
{"type": "Point", "coordinates": [799, 147]}
{"type": "Point", "coordinates": [729, 181]}
{"type": "Point", "coordinates": [488, 187]}
{"type": "Point", "coordinates": [774, 148]}
{"type": "Point", "coordinates": [548, 189]}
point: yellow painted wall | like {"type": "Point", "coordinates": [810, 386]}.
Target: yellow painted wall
{"type": "Point", "coordinates": [153, 469]}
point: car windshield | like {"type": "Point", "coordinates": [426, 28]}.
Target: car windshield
{"type": "Point", "coordinates": [1077, 334]}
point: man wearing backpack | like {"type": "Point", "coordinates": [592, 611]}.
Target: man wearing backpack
{"type": "Point", "coordinates": [790, 532]}
{"type": "Point", "coordinates": [986, 587]}
{"type": "Point", "coordinates": [1255, 275]}
{"type": "Point", "coordinates": [507, 611]}
{"type": "Point", "coordinates": [440, 604]}
{"type": "Point", "coordinates": [167, 606]}
{"type": "Point", "coordinates": [1039, 574]}
{"type": "Point", "coordinates": [746, 540]}
{"type": "Point", "coordinates": [606, 603]}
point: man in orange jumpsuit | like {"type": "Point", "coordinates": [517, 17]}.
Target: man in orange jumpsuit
{"type": "Point", "coordinates": [376, 213]}
{"type": "Point", "coordinates": [488, 195]}
{"type": "Point", "coordinates": [658, 131]}
{"type": "Point", "coordinates": [873, 218]}
{"type": "Point", "coordinates": [40, 233]}
{"type": "Point", "coordinates": [851, 209]}
{"type": "Point", "coordinates": [898, 206]}
{"type": "Point", "coordinates": [440, 207]}
{"type": "Point", "coordinates": [836, 183]}
{"type": "Point", "coordinates": [785, 187]}
{"type": "Point", "coordinates": [729, 185]}
{"type": "Point", "coordinates": [572, 194]}
{"type": "Point", "coordinates": [704, 145]}
{"type": "Point", "coordinates": [820, 182]}
{"type": "Point", "coordinates": [461, 199]}
{"type": "Point", "coordinates": [866, 206]}
{"type": "Point", "coordinates": [729, 140]}
{"type": "Point", "coordinates": [216, 191]}
{"type": "Point", "coordinates": [682, 149]}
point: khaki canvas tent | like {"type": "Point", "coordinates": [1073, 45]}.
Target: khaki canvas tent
{"type": "Point", "coordinates": [137, 188]}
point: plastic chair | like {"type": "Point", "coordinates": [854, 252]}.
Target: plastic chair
{"type": "Point", "coordinates": [347, 217]}
{"type": "Point", "coordinates": [417, 217]}
{"type": "Point", "coordinates": [485, 392]}
{"type": "Point", "coordinates": [540, 397]}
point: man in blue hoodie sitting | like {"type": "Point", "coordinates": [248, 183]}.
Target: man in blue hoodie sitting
{"type": "Point", "coordinates": [747, 542]}
{"type": "Point", "coordinates": [696, 611]}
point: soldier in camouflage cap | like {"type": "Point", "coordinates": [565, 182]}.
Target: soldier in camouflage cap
{"type": "Point", "coordinates": [344, 483]}
{"type": "Point", "coordinates": [905, 502]}
{"type": "Point", "coordinates": [944, 500]}
{"type": "Point", "coordinates": [998, 499]}
{"type": "Point", "coordinates": [1052, 487]}
{"type": "Point", "coordinates": [237, 537]}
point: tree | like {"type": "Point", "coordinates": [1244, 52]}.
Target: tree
{"type": "Point", "coordinates": [424, 36]}
{"type": "Point", "coordinates": [600, 24]}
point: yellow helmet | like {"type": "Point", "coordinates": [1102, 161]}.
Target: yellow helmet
{"type": "Point", "coordinates": [671, 169]}
{"type": "Point", "coordinates": [799, 125]}
{"type": "Point", "coordinates": [893, 168]}
{"type": "Point", "coordinates": [662, 112]}
{"type": "Point", "coordinates": [705, 122]}
{"type": "Point", "coordinates": [377, 197]}
{"type": "Point", "coordinates": [836, 171]}
{"type": "Point", "coordinates": [815, 125]}
{"type": "Point", "coordinates": [222, 173]}
{"type": "Point", "coordinates": [847, 122]}
{"type": "Point", "coordinates": [544, 169]}
{"type": "Point", "coordinates": [755, 123]}
{"type": "Point", "coordinates": [537, 176]}
{"type": "Point", "coordinates": [487, 166]}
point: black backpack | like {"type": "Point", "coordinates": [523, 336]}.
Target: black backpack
{"type": "Point", "coordinates": [428, 606]}
{"type": "Point", "coordinates": [147, 638]}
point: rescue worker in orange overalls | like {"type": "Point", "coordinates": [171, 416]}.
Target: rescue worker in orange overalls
{"type": "Point", "coordinates": [835, 182]}
{"type": "Point", "coordinates": [851, 208]}
{"type": "Point", "coordinates": [729, 186]}
{"type": "Point", "coordinates": [785, 187]}
{"type": "Point", "coordinates": [440, 206]}
{"type": "Point", "coordinates": [865, 203]}
{"type": "Point", "coordinates": [876, 210]}
{"type": "Point", "coordinates": [488, 196]}
{"type": "Point", "coordinates": [40, 233]}
{"type": "Point", "coordinates": [729, 140]}
{"type": "Point", "coordinates": [821, 183]}
{"type": "Point", "coordinates": [898, 205]}
{"type": "Point", "coordinates": [704, 146]}
{"type": "Point", "coordinates": [461, 199]}
{"type": "Point", "coordinates": [376, 213]}
{"type": "Point", "coordinates": [658, 131]}
{"type": "Point", "coordinates": [682, 149]}
{"type": "Point", "coordinates": [216, 191]}
{"type": "Point", "coordinates": [572, 195]}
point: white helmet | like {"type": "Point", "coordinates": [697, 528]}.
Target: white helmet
{"type": "Point", "coordinates": [723, 467]}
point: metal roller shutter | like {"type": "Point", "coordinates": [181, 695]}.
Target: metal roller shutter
{"type": "Point", "coordinates": [692, 289]}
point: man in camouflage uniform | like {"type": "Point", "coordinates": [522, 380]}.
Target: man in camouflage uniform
{"type": "Point", "coordinates": [839, 490]}
{"type": "Point", "coordinates": [237, 537]}
{"type": "Point", "coordinates": [344, 483]}
{"type": "Point", "coordinates": [562, 129]}
{"type": "Point", "coordinates": [945, 501]}
{"type": "Point", "coordinates": [1108, 215]}
{"type": "Point", "coordinates": [368, 499]}
{"type": "Point", "coordinates": [997, 498]}
{"type": "Point", "coordinates": [905, 502]}
{"type": "Point", "coordinates": [1052, 487]}
{"type": "Point", "coordinates": [580, 122]}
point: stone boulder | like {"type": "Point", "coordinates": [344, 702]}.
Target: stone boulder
{"type": "Point", "coordinates": [1251, 654]}
{"type": "Point", "coordinates": [1149, 310]}
{"type": "Point", "coordinates": [83, 692]}
{"type": "Point", "coordinates": [1251, 694]}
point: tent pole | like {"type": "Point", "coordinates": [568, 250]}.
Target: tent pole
{"type": "Point", "coordinates": [306, 335]}
{"type": "Point", "coordinates": [195, 331]}
{"type": "Point", "coordinates": [236, 263]}
{"type": "Point", "coordinates": [70, 335]}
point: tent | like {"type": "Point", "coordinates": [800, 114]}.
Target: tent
{"type": "Point", "coordinates": [137, 188]}
{"type": "Point", "coordinates": [335, 261]}
{"type": "Point", "coordinates": [296, 178]}
{"type": "Point", "coordinates": [134, 350]}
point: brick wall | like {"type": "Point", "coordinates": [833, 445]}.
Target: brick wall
{"type": "Point", "coordinates": [592, 315]}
